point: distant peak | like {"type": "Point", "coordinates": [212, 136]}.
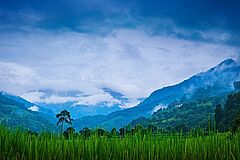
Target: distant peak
{"type": "Point", "coordinates": [227, 62]}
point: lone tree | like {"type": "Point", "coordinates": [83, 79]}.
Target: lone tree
{"type": "Point", "coordinates": [64, 117]}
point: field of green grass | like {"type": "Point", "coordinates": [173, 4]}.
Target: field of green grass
{"type": "Point", "coordinates": [20, 145]}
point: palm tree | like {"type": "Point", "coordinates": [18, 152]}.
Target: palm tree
{"type": "Point", "coordinates": [64, 117]}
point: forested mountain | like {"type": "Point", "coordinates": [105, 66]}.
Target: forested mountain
{"type": "Point", "coordinates": [186, 113]}
{"type": "Point", "coordinates": [216, 82]}
{"type": "Point", "coordinates": [190, 103]}
{"type": "Point", "coordinates": [17, 112]}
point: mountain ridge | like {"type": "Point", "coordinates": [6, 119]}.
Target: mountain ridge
{"type": "Point", "coordinates": [223, 74]}
{"type": "Point", "coordinates": [221, 77]}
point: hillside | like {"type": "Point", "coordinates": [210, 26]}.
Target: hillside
{"type": "Point", "coordinates": [17, 112]}
{"type": "Point", "coordinates": [196, 112]}
{"type": "Point", "coordinates": [221, 77]}
{"type": "Point", "coordinates": [192, 113]}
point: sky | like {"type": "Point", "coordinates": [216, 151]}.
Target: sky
{"type": "Point", "coordinates": [132, 47]}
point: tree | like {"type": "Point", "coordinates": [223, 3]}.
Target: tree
{"type": "Point", "coordinates": [236, 124]}
{"type": "Point", "coordinates": [100, 132]}
{"type": "Point", "coordinates": [151, 128]}
{"type": "Point", "coordinates": [181, 128]}
{"type": "Point", "coordinates": [122, 132]}
{"type": "Point", "coordinates": [64, 117]}
{"type": "Point", "coordinates": [70, 132]}
{"type": "Point", "coordinates": [114, 132]}
{"type": "Point", "coordinates": [231, 108]}
{"type": "Point", "coordinates": [138, 128]}
{"type": "Point", "coordinates": [85, 132]}
{"type": "Point", "coordinates": [128, 129]}
{"type": "Point", "coordinates": [219, 116]}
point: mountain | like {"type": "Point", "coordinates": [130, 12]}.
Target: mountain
{"type": "Point", "coordinates": [197, 111]}
{"type": "Point", "coordinates": [190, 113]}
{"type": "Point", "coordinates": [223, 74]}
{"type": "Point", "coordinates": [17, 112]}
{"type": "Point", "coordinates": [80, 104]}
{"type": "Point", "coordinates": [31, 106]}
{"type": "Point", "coordinates": [221, 77]}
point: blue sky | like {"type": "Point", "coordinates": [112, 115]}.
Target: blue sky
{"type": "Point", "coordinates": [132, 47]}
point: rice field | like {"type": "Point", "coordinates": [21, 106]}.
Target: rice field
{"type": "Point", "coordinates": [19, 145]}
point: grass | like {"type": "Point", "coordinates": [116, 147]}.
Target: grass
{"type": "Point", "coordinates": [20, 145]}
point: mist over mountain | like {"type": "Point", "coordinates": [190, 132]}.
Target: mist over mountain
{"type": "Point", "coordinates": [80, 104]}
{"type": "Point", "coordinates": [222, 76]}
{"type": "Point", "coordinates": [119, 79]}
{"type": "Point", "coordinates": [110, 113]}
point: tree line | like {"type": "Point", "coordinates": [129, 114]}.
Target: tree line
{"type": "Point", "coordinates": [227, 118]}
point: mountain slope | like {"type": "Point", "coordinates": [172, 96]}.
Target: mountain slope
{"type": "Point", "coordinates": [16, 112]}
{"type": "Point", "coordinates": [223, 75]}
{"type": "Point", "coordinates": [197, 112]}
{"type": "Point", "coordinates": [193, 113]}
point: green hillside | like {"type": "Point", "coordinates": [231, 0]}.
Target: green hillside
{"type": "Point", "coordinates": [198, 112]}
{"type": "Point", "coordinates": [15, 114]}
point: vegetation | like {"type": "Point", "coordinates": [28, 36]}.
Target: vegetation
{"type": "Point", "coordinates": [14, 114]}
{"type": "Point", "coordinates": [202, 109]}
{"type": "Point", "coordinates": [128, 143]}
{"type": "Point", "coordinates": [236, 123]}
{"type": "Point", "coordinates": [188, 129]}
{"type": "Point", "coordinates": [64, 117]}
{"type": "Point", "coordinates": [184, 115]}
{"type": "Point", "coordinates": [228, 118]}
{"type": "Point", "coordinates": [237, 85]}
{"type": "Point", "coordinates": [219, 115]}
{"type": "Point", "coordinates": [22, 145]}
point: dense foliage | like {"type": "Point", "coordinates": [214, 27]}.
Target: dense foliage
{"type": "Point", "coordinates": [22, 145]}
{"type": "Point", "coordinates": [227, 117]}
{"type": "Point", "coordinates": [14, 114]}
{"type": "Point", "coordinates": [187, 113]}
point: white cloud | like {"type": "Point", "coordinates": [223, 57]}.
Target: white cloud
{"type": "Point", "coordinates": [129, 61]}
{"type": "Point", "coordinates": [34, 108]}
{"type": "Point", "coordinates": [217, 36]}
{"type": "Point", "coordinates": [41, 97]}
{"type": "Point", "coordinates": [130, 103]}
{"type": "Point", "coordinates": [33, 96]}
{"type": "Point", "coordinates": [89, 100]}
{"type": "Point", "coordinates": [58, 99]}
{"type": "Point", "coordinates": [160, 106]}
{"type": "Point", "coordinates": [96, 99]}
{"type": "Point", "coordinates": [17, 78]}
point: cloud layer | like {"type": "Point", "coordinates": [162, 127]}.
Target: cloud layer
{"type": "Point", "coordinates": [130, 47]}
{"type": "Point", "coordinates": [130, 61]}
